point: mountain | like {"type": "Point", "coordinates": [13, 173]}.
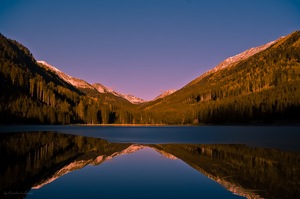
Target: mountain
{"type": "Point", "coordinates": [132, 98]}
{"type": "Point", "coordinates": [79, 83]}
{"type": "Point", "coordinates": [102, 89]}
{"type": "Point", "coordinates": [38, 93]}
{"type": "Point", "coordinates": [258, 85]}
{"type": "Point", "coordinates": [30, 94]}
{"type": "Point", "coordinates": [231, 61]}
{"type": "Point", "coordinates": [165, 93]}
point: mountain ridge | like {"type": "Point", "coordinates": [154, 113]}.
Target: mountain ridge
{"type": "Point", "coordinates": [165, 93]}
{"type": "Point", "coordinates": [254, 83]}
{"type": "Point", "coordinates": [79, 83]}
{"type": "Point", "coordinates": [230, 61]}
{"type": "Point", "coordinates": [69, 79]}
{"type": "Point", "coordinates": [259, 84]}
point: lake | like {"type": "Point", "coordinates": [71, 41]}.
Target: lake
{"type": "Point", "coordinates": [150, 162]}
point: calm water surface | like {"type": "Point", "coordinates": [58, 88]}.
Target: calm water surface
{"type": "Point", "coordinates": [149, 162]}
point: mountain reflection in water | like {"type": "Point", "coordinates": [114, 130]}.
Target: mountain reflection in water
{"type": "Point", "coordinates": [31, 160]}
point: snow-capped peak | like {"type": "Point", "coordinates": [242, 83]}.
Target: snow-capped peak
{"type": "Point", "coordinates": [102, 89]}
{"type": "Point", "coordinates": [71, 80]}
{"type": "Point", "coordinates": [242, 56]}
{"type": "Point", "coordinates": [52, 68]}
{"type": "Point", "coordinates": [79, 83]}
{"type": "Point", "coordinates": [165, 93]}
{"type": "Point", "coordinates": [133, 99]}
{"type": "Point", "coordinates": [233, 60]}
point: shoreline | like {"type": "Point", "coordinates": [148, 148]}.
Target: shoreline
{"type": "Point", "coordinates": [134, 125]}
{"type": "Point", "coordinates": [167, 125]}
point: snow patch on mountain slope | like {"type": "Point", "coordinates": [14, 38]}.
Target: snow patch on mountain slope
{"type": "Point", "coordinates": [165, 93]}
{"type": "Point", "coordinates": [52, 68]}
{"type": "Point", "coordinates": [241, 56]}
{"type": "Point", "coordinates": [131, 98]}
{"type": "Point", "coordinates": [231, 61]}
{"type": "Point", "coordinates": [100, 88]}
{"type": "Point", "coordinates": [79, 83]}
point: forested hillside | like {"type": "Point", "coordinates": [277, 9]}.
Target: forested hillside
{"type": "Point", "coordinates": [32, 94]}
{"type": "Point", "coordinates": [264, 87]}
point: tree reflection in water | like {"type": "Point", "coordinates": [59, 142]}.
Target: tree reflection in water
{"type": "Point", "coordinates": [33, 159]}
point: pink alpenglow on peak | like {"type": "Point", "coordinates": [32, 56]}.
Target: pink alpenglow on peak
{"type": "Point", "coordinates": [165, 93]}
{"type": "Point", "coordinates": [79, 83]}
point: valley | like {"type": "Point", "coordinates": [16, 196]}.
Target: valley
{"type": "Point", "coordinates": [259, 85]}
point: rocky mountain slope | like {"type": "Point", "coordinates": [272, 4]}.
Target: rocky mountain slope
{"type": "Point", "coordinates": [79, 83]}
{"type": "Point", "coordinates": [231, 61]}
{"type": "Point", "coordinates": [165, 93]}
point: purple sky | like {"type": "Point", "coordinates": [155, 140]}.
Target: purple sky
{"type": "Point", "coordinates": [143, 47]}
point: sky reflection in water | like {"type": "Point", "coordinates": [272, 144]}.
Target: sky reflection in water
{"type": "Point", "coordinates": [79, 162]}
{"type": "Point", "coordinates": [142, 174]}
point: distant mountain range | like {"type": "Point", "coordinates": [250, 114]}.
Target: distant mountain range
{"type": "Point", "coordinates": [260, 84]}
{"type": "Point", "coordinates": [82, 84]}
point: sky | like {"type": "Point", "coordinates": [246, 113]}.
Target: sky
{"type": "Point", "coordinates": [144, 47]}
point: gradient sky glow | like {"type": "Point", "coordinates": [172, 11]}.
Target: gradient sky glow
{"type": "Point", "coordinates": [143, 47]}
